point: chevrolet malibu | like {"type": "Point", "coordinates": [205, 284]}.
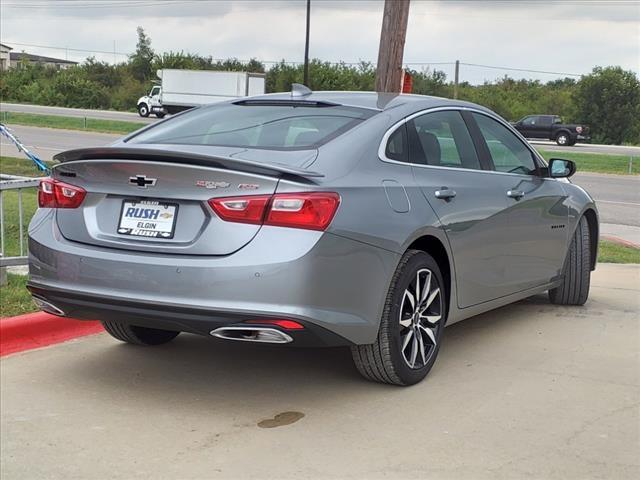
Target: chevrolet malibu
{"type": "Point", "coordinates": [311, 219]}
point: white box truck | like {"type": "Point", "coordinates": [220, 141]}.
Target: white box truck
{"type": "Point", "coordinates": [183, 89]}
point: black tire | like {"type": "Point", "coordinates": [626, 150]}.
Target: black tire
{"type": "Point", "coordinates": [384, 361]}
{"type": "Point", "coordinates": [138, 335]}
{"type": "Point", "coordinates": [160, 114]}
{"type": "Point", "coordinates": [563, 139]}
{"type": "Point", "coordinates": [576, 274]}
{"type": "Point", "coordinates": [143, 110]}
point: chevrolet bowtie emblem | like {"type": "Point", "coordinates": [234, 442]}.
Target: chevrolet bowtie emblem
{"type": "Point", "coordinates": [142, 181]}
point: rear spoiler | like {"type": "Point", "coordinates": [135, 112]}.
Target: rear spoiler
{"type": "Point", "coordinates": [188, 158]}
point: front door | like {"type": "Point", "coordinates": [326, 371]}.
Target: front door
{"type": "Point", "coordinates": [528, 126]}
{"type": "Point", "coordinates": [535, 217]}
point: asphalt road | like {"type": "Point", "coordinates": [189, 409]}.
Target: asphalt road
{"type": "Point", "coordinates": [530, 390]}
{"type": "Point", "coordinates": [46, 142]}
{"type": "Point", "coordinates": [75, 112]}
{"type": "Point", "coordinates": [588, 148]}
{"type": "Point", "coordinates": [134, 117]}
{"type": "Point", "coordinates": [617, 196]}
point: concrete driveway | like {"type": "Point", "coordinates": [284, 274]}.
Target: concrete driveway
{"type": "Point", "coordinates": [530, 390]}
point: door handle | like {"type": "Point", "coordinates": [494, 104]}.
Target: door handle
{"type": "Point", "coordinates": [517, 194]}
{"type": "Point", "coordinates": [445, 193]}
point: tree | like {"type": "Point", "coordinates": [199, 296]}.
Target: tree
{"type": "Point", "coordinates": [141, 61]}
{"type": "Point", "coordinates": [608, 100]}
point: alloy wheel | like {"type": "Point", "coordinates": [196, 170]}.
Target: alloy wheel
{"type": "Point", "coordinates": [420, 319]}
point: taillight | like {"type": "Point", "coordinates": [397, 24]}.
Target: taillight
{"type": "Point", "coordinates": [55, 194]}
{"type": "Point", "coordinates": [313, 211]}
{"type": "Point", "coordinates": [579, 129]}
{"type": "Point", "coordinates": [248, 209]}
{"type": "Point", "coordinates": [309, 210]}
{"type": "Point", "coordinates": [46, 197]}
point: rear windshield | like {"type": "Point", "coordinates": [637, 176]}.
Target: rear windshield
{"type": "Point", "coordinates": [279, 127]}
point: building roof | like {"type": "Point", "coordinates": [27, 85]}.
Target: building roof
{"type": "Point", "coordinates": [38, 58]}
{"type": "Point", "coordinates": [5, 46]}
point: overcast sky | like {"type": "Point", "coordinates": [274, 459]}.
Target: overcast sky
{"type": "Point", "coordinates": [569, 36]}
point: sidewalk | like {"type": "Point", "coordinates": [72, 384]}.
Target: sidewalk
{"type": "Point", "coordinates": [629, 234]}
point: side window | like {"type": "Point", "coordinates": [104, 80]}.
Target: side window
{"type": "Point", "coordinates": [441, 139]}
{"type": "Point", "coordinates": [529, 121]}
{"type": "Point", "coordinates": [509, 154]}
{"type": "Point", "coordinates": [545, 121]}
{"type": "Point", "coordinates": [396, 148]}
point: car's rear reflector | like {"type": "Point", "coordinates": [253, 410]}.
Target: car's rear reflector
{"type": "Point", "coordinates": [55, 194]}
{"type": "Point", "coordinates": [286, 324]}
{"type": "Point", "coordinates": [308, 210]}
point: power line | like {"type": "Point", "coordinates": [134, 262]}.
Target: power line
{"type": "Point", "coordinates": [493, 67]}
{"type": "Point", "coordinates": [67, 48]}
{"type": "Point", "coordinates": [112, 4]}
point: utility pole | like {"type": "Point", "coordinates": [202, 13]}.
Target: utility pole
{"type": "Point", "coordinates": [390, 53]}
{"type": "Point", "coordinates": [457, 78]}
{"type": "Point", "coordinates": [305, 81]}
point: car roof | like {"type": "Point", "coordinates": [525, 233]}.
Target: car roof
{"type": "Point", "coordinates": [373, 100]}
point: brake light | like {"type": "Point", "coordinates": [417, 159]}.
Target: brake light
{"type": "Point", "coordinates": [308, 210]}
{"type": "Point", "coordinates": [313, 211]}
{"type": "Point", "coordinates": [579, 129]}
{"type": "Point", "coordinates": [46, 197]}
{"type": "Point", "coordinates": [248, 209]}
{"type": "Point", "coordinates": [55, 194]}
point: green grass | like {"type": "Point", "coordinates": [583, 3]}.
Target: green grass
{"type": "Point", "coordinates": [20, 166]}
{"type": "Point", "coordinates": [595, 162]}
{"type": "Point", "coordinates": [10, 199]}
{"type": "Point", "coordinates": [610, 252]}
{"type": "Point", "coordinates": [16, 299]}
{"type": "Point", "coordinates": [71, 123]}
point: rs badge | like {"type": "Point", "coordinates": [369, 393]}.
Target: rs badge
{"type": "Point", "coordinates": [211, 184]}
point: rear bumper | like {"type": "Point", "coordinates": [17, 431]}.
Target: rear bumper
{"type": "Point", "coordinates": [171, 317]}
{"type": "Point", "coordinates": [319, 279]}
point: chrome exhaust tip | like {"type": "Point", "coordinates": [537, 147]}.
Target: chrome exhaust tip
{"type": "Point", "coordinates": [252, 334]}
{"type": "Point", "coordinates": [48, 307]}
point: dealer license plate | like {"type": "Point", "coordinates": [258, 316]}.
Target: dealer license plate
{"type": "Point", "coordinates": [148, 219]}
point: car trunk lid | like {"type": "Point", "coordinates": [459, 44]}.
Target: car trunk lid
{"type": "Point", "coordinates": [155, 200]}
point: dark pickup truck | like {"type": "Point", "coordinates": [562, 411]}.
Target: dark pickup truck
{"type": "Point", "coordinates": [552, 128]}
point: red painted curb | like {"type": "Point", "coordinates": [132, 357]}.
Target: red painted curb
{"type": "Point", "coordinates": [35, 330]}
{"type": "Point", "coordinates": [620, 241]}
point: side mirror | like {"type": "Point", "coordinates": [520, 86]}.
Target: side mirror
{"type": "Point", "coordinates": [559, 168]}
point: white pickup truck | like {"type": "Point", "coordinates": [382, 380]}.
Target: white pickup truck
{"type": "Point", "coordinates": [183, 89]}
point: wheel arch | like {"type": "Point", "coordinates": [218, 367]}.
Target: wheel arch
{"type": "Point", "coordinates": [436, 248]}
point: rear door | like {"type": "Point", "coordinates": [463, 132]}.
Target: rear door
{"type": "Point", "coordinates": [534, 221]}
{"type": "Point", "coordinates": [468, 200]}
